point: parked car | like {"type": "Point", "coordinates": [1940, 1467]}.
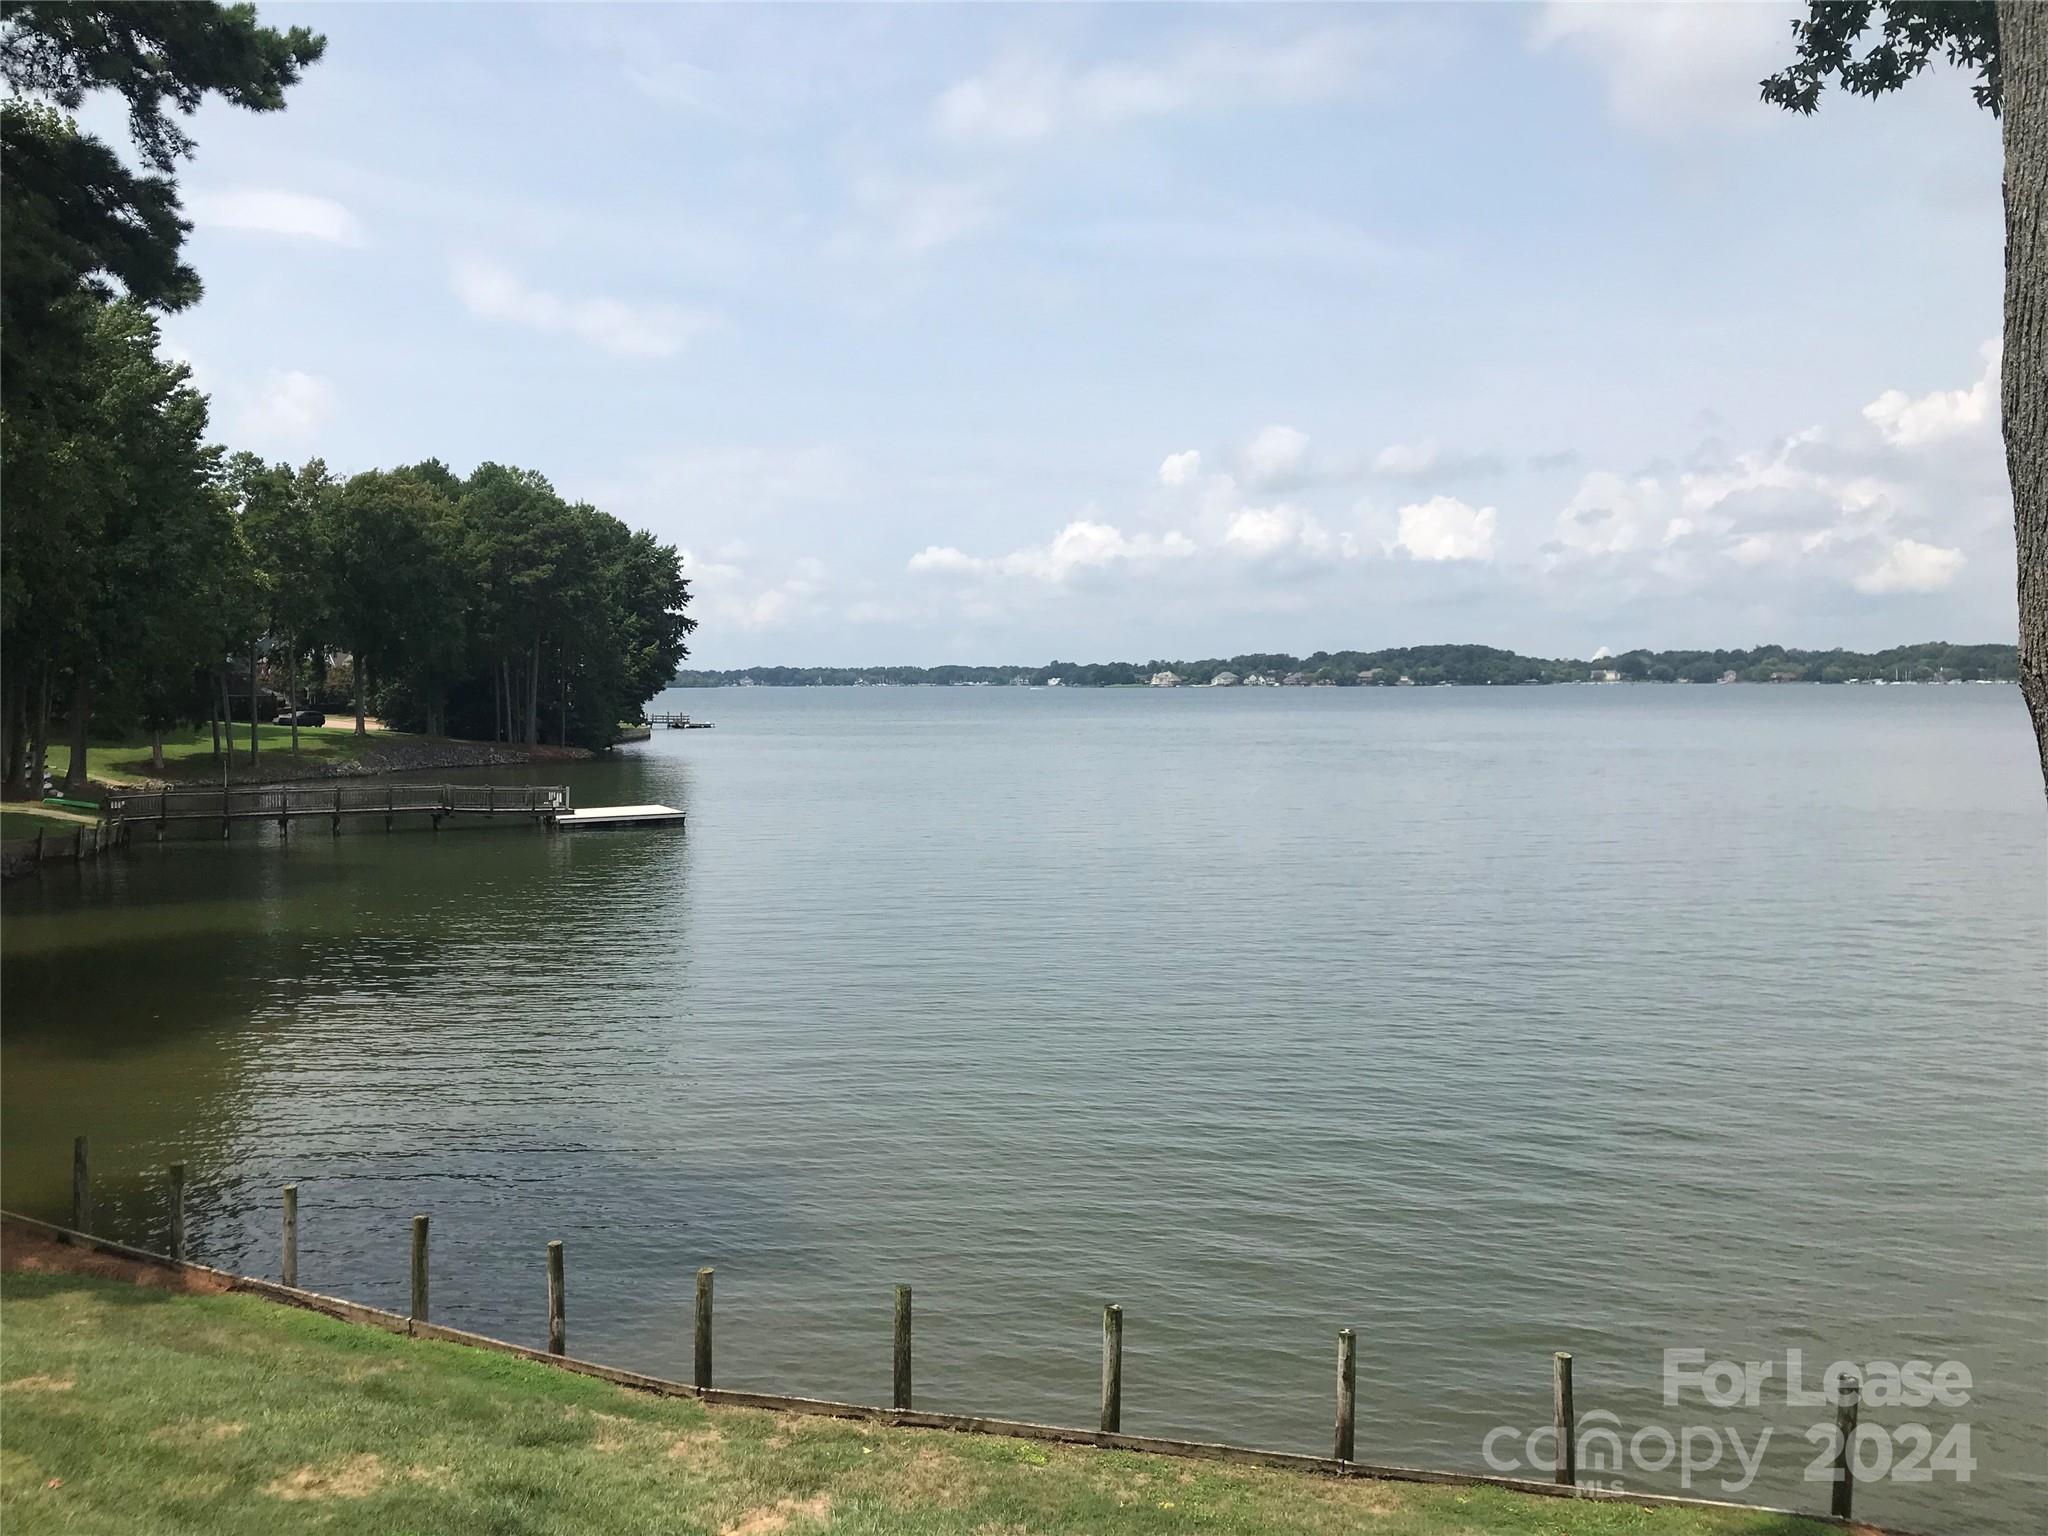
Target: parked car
{"type": "Point", "coordinates": [303, 717]}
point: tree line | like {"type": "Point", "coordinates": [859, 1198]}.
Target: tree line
{"type": "Point", "coordinates": [140, 563]}
{"type": "Point", "coordinates": [1428, 665]}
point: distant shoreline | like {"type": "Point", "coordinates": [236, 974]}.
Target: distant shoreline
{"type": "Point", "coordinates": [1421, 667]}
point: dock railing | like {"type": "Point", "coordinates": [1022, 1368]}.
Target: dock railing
{"type": "Point", "coordinates": [285, 803]}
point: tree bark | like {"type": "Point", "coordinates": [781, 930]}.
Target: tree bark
{"type": "Point", "coordinates": [227, 713]}
{"type": "Point", "coordinates": [254, 712]}
{"type": "Point", "coordinates": [76, 777]}
{"type": "Point", "coordinates": [156, 749]}
{"type": "Point", "coordinates": [533, 697]}
{"type": "Point", "coordinates": [291, 686]}
{"type": "Point", "coordinates": [2023, 62]}
{"type": "Point", "coordinates": [361, 683]}
{"type": "Point", "coordinates": [39, 745]}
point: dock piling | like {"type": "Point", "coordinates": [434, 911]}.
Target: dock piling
{"type": "Point", "coordinates": [1112, 1369]}
{"type": "Point", "coordinates": [177, 1173]}
{"type": "Point", "coordinates": [1847, 1398]}
{"type": "Point", "coordinates": [703, 1364]}
{"type": "Point", "coordinates": [901, 1397]}
{"type": "Point", "coordinates": [81, 1189]}
{"type": "Point", "coordinates": [291, 1235]}
{"type": "Point", "coordinates": [557, 1327]}
{"type": "Point", "coordinates": [419, 1269]}
{"type": "Point", "coordinates": [1566, 1421]}
{"type": "Point", "coordinates": [1347, 1394]}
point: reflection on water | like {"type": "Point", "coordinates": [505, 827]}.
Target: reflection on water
{"type": "Point", "coordinates": [1488, 1023]}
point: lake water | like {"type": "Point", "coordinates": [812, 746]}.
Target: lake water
{"type": "Point", "coordinates": [1487, 1022]}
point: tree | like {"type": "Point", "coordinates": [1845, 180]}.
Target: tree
{"type": "Point", "coordinates": [2007, 45]}
{"type": "Point", "coordinates": [82, 230]}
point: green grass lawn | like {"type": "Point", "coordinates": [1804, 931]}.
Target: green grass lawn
{"type": "Point", "coordinates": [188, 755]}
{"type": "Point", "coordinates": [23, 820]}
{"type": "Point", "coordinates": [138, 1410]}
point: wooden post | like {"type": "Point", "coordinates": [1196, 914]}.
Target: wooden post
{"type": "Point", "coordinates": [81, 1189]}
{"type": "Point", "coordinates": [390, 804]}
{"type": "Point", "coordinates": [1566, 1421]}
{"type": "Point", "coordinates": [39, 852]}
{"type": "Point", "coordinates": [557, 1330]}
{"type": "Point", "coordinates": [1847, 1397]}
{"type": "Point", "coordinates": [419, 1269]}
{"type": "Point", "coordinates": [1112, 1369]}
{"type": "Point", "coordinates": [178, 1212]}
{"type": "Point", "coordinates": [337, 810]}
{"type": "Point", "coordinates": [1347, 1394]}
{"type": "Point", "coordinates": [291, 1234]}
{"type": "Point", "coordinates": [901, 1397]}
{"type": "Point", "coordinates": [703, 1374]}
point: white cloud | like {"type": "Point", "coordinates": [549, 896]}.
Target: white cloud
{"type": "Point", "coordinates": [1672, 65]}
{"type": "Point", "coordinates": [1082, 545]}
{"type": "Point", "coordinates": [896, 217]}
{"type": "Point", "coordinates": [1407, 458]}
{"type": "Point", "coordinates": [612, 325]}
{"type": "Point", "coordinates": [1270, 530]}
{"type": "Point", "coordinates": [267, 210]}
{"type": "Point", "coordinates": [1178, 469]}
{"type": "Point", "coordinates": [1445, 528]}
{"type": "Point", "coordinates": [1276, 453]}
{"type": "Point", "coordinates": [1910, 566]}
{"type": "Point", "coordinates": [290, 405]}
{"type": "Point", "coordinates": [1429, 458]}
{"type": "Point", "coordinates": [1024, 98]}
{"type": "Point", "coordinates": [1907, 422]}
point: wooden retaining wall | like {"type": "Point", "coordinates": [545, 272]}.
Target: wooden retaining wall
{"type": "Point", "coordinates": [1108, 1436]}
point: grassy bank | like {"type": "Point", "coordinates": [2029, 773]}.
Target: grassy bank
{"type": "Point", "coordinates": [188, 754]}
{"type": "Point", "coordinates": [25, 821]}
{"type": "Point", "coordinates": [129, 1408]}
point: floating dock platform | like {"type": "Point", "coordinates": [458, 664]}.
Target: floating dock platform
{"type": "Point", "coordinates": [602, 816]}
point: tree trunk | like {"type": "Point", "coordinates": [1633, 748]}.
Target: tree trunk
{"type": "Point", "coordinates": [213, 719]}
{"type": "Point", "coordinates": [81, 720]}
{"type": "Point", "coordinates": [254, 712]}
{"type": "Point", "coordinates": [39, 746]}
{"type": "Point", "coordinates": [361, 683]}
{"type": "Point", "coordinates": [533, 697]}
{"type": "Point", "coordinates": [156, 749]}
{"type": "Point", "coordinates": [2023, 61]}
{"type": "Point", "coordinates": [291, 686]}
{"type": "Point", "coordinates": [497, 708]}
{"type": "Point", "coordinates": [15, 735]}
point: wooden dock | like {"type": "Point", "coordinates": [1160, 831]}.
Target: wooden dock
{"type": "Point", "coordinates": [679, 722]}
{"type": "Point", "coordinates": [286, 803]}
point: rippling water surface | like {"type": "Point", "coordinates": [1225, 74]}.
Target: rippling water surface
{"type": "Point", "coordinates": [1486, 1022]}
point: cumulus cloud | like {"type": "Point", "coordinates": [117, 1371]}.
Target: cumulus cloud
{"type": "Point", "coordinates": [1082, 545]}
{"type": "Point", "coordinates": [1672, 66]}
{"type": "Point", "coordinates": [1263, 531]}
{"type": "Point", "coordinates": [611, 325]}
{"type": "Point", "coordinates": [1178, 469]}
{"type": "Point", "coordinates": [271, 211]}
{"type": "Point", "coordinates": [1427, 458]}
{"type": "Point", "coordinates": [1445, 528]}
{"type": "Point", "coordinates": [1025, 98]}
{"type": "Point", "coordinates": [1910, 422]}
{"type": "Point", "coordinates": [289, 405]}
{"type": "Point", "coordinates": [1910, 566]}
{"type": "Point", "coordinates": [1276, 453]}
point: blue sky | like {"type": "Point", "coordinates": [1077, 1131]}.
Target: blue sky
{"type": "Point", "coordinates": [1011, 333]}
